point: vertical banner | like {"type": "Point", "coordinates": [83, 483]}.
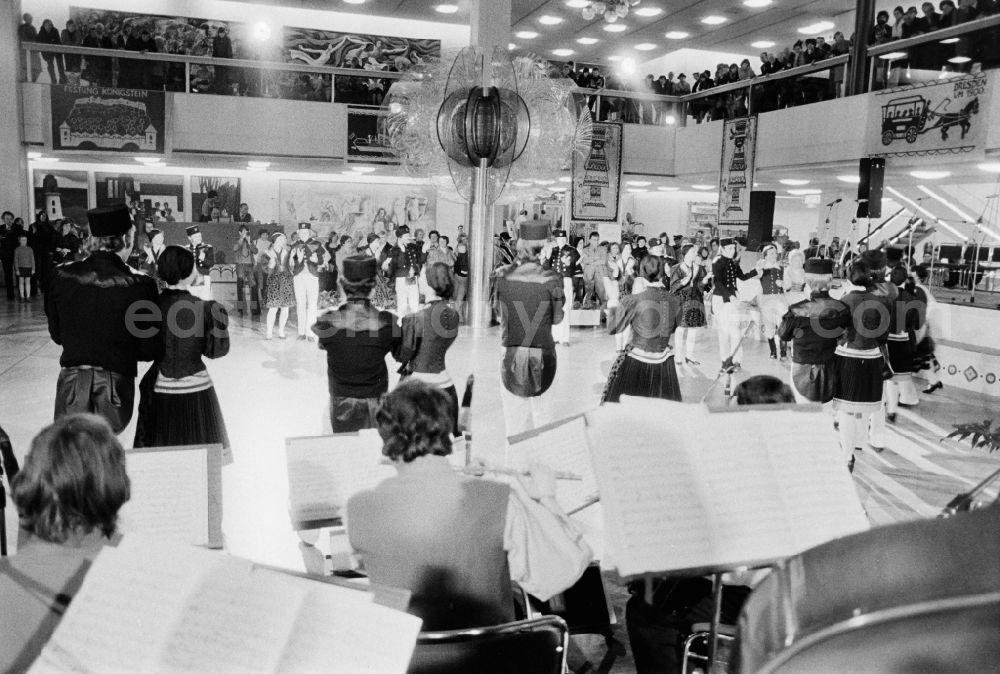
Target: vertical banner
{"type": "Point", "coordinates": [930, 118]}
{"type": "Point", "coordinates": [739, 153]}
{"type": "Point", "coordinates": [109, 120]}
{"type": "Point", "coordinates": [597, 175]}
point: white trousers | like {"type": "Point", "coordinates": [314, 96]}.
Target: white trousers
{"type": "Point", "coordinates": [407, 296]}
{"type": "Point", "coordinates": [306, 300]}
{"type": "Point", "coordinates": [560, 331]}
{"type": "Point", "coordinates": [727, 322]}
{"type": "Point", "coordinates": [525, 414]}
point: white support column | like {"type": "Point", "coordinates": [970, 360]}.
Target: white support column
{"type": "Point", "coordinates": [13, 162]}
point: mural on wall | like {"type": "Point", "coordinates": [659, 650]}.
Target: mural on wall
{"type": "Point", "coordinates": [156, 197]}
{"type": "Point", "coordinates": [227, 199]}
{"type": "Point", "coordinates": [346, 50]}
{"type": "Point", "coordinates": [63, 194]}
{"type": "Point", "coordinates": [108, 120]}
{"type": "Point", "coordinates": [930, 118]}
{"type": "Point", "coordinates": [356, 209]}
{"type": "Point", "coordinates": [597, 175]}
{"type": "Point", "coordinates": [739, 152]}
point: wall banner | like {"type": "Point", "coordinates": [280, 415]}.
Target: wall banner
{"type": "Point", "coordinates": [739, 154]}
{"type": "Point", "coordinates": [364, 141]}
{"type": "Point", "coordinates": [931, 118]}
{"type": "Point", "coordinates": [597, 175]}
{"type": "Point", "coordinates": [107, 120]}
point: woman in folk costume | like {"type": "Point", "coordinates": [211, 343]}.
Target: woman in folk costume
{"type": "Point", "coordinates": [925, 364]}
{"type": "Point", "coordinates": [772, 299]}
{"type": "Point", "coordinates": [904, 319]}
{"type": "Point", "coordinates": [646, 367]}
{"type": "Point", "coordinates": [280, 294]}
{"type": "Point", "coordinates": [613, 286]}
{"type": "Point", "coordinates": [687, 282]}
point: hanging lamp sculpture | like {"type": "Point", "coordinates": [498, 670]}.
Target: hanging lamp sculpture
{"type": "Point", "coordinates": [507, 117]}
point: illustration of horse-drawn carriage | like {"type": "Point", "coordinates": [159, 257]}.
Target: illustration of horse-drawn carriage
{"type": "Point", "coordinates": [910, 117]}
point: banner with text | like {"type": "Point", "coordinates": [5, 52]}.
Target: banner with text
{"type": "Point", "coordinates": [597, 175]}
{"type": "Point", "coordinates": [739, 154]}
{"type": "Point", "coordinates": [108, 120]}
{"type": "Point", "coordinates": [932, 118]}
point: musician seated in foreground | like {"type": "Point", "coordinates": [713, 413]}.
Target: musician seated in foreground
{"type": "Point", "coordinates": [67, 494]}
{"type": "Point", "coordinates": [763, 389]}
{"type": "Point", "coordinates": [456, 541]}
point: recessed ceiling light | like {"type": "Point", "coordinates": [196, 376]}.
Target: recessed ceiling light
{"type": "Point", "coordinates": [616, 27]}
{"type": "Point", "coordinates": [549, 20]}
{"type": "Point", "coordinates": [893, 56]}
{"type": "Point", "coordinates": [586, 40]}
{"type": "Point", "coordinates": [363, 169]}
{"type": "Point", "coordinates": [803, 193]}
{"type": "Point", "coordinates": [634, 190]}
{"type": "Point", "coordinates": [990, 167]}
{"type": "Point", "coordinates": [521, 183]}
{"type": "Point", "coordinates": [959, 59]}
{"type": "Point", "coordinates": [930, 175]}
{"type": "Point", "coordinates": [34, 155]}
{"type": "Point", "coordinates": [757, 3]}
{"type": "Point", "coordinates": [628, 66]}
{"type": "Point", "coordinates": [148, 160]}
{"type": "Point", "coordinates": [355, 2]}
{"type": "Point", "coordinates": [638, 183]}
{"type": "Point", "coordinates": [647, 11]}
{"type": "Point", "coordinates": [703, 187]}
{"type": "Point", "coordinates": [793, 182]}
{"type": "Point", "coordinates": [854, 180]}
{"type": "Point", "coordinates": [258, 164]}
{"type": "Point", "coordinates": [557, 188]}
{"type": "Point", "coordinates": [565, 179]}
{"type": "Point", "coordinates": [670, 120]}
{"type": "Point", "coordinates": [818, 27]}
{"type": "Point", "coordinates": [714, 20]}
{"type": "Point", "coordinates": [645, 46]}
{"type": "Point", "coordinates": [526, 34]}
{"type": "Point", "coordinates": [762, 44]}
{"type": "Point", "coordinates": [562, 52]}
{"type": "Point", "coordinates": [545, 182]}
{"type": "Point", "coordinates": [511, 46]}
{"type": "Point", "coordinates": [950, 40]}
{"type": "Point", "coordinates": [577, 4]}
{"type": "Point", "coordinates": [446, 9]}
{"type": "Point", "coordinates": [665, 188]}
{"type": "Point", "coordinates": [676, 35]}
{"type": "Point", "coordinates": [615, 58]}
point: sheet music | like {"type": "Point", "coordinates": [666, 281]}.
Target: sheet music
{"type": "Point", "coordinates": [323, 472]}
{"type": "Point", "coordinates": [562, 447]}
{"type": "Point", "coordinates": [169, 495]}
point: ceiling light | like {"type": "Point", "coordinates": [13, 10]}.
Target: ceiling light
{"type": "Point", "coordinates": [545, 182]}
{"type": "Point", "coordinates": [350, 173]}
{"type": "Point", "coordinates": [670, 120]}
{"type": "Point", "coordinates": [586, 40]}
{"type": "Point", "coordinates": [950, 40]}
{"type": "Point", "coordinates": [628, 66]}
{"type": "Point", "coordinates": [261, 31]}
{"type": "Point", "coordinates": [526, 34]}
{"type": "Point", "coordinates": [562, 52]}
{"type": "Point", "coordinates": [854, 180]}
{"type": "Point", "coordinates": [34, 155]}
{"type": "Point", "coordinates": [703, 187]}
{"type": "Point", "coordinates": [635, 190]}
{"type": "Point", "coordinates": [762, 44]}
{"type": "Point", "coordinates": [802, 193]}
{"type": "Point", "coordinates": [893, 56]}
{"type": "Point", "coordinates": [793, 182]}
{"type": "Point", "coordinates": [557, 188]}
{"type": "Point", "coordinates": [638, 183]}
{"type": "Point", "coordinates": [363, 169]}
{"type": "Point", "coordinates": [616, 27]}
{"type": "Point", "coordinates": [959, 59]}
{"type": "Point", "coordinates": [578, 4]}
{"type": "Point", "coordinates": [446, 9]}
{"type": "Point", "coordinates": [818, 27]}
{"type": "Point", "coordinates": [521, 183]}
{"type": "Point", "coordinates": [615, 58]}
{"type": "Point", "coordinates": [648, 11]}
{"type": "Point", "coordinates": [148, 160]}
{"type": "Point", "coordinates": [565, 179]}
{"type": "Point", "coordinates": [714, 20]}
{"type": "Point", "coordinates": [645, 46]}
{"type": "Point", "coordinates": [549, 20]}
{"type": "Point", "coordinates": [757, 3]}
{"type": "Point", "coordinates": [930, 175]}
{"type": "Point", "coordinates": [258, 164]}
{"type": "Point", "coordinates": [48, 159]}
{"type": "Point", "coordinates": [676, 35]}
{"type": "Point", "coordinates": [355, 2]}
{"type": "Point", "coordinates": [666, 188]}
{"type": "Point", "coordinates": [510, 47]}
{"type": "Point", "coordinates": [990, 167]}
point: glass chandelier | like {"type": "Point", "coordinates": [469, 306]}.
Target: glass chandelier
{"type": "Point", "coordinates": [611, 10]}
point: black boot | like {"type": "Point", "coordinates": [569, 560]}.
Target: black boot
{"type": "Point", "coordinates": [784, 350]}
{"type": "Point", "coordinates": [773, 347]}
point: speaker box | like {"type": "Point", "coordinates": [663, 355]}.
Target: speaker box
{"type": "Point", "coordinates": [871, 171]}
{"type": "Point", "coordinates": [761, 228]}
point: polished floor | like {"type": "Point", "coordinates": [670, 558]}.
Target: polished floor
{"type": "Point", "coordinates": [271, 390]}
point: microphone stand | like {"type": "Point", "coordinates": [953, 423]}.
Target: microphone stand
{"type": "Point", "coordinates": [963, 502]}
{"type": "Point", "coordinates": [975, 262]}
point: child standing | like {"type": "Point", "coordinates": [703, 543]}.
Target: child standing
{"type": "Point", "coordinates": [24, 263]}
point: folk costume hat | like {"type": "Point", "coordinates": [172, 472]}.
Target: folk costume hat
{"type": "Point", "coordinates": [359, 268]}
{"type": "Point", "coordinates": [559, 233]}
{"type": "Point", "coordinates": [304, 226]}
{"type": "Point", "coordinates": [109, 220]}
{"type": "Point", "coordinates": [192, 230]}
{"type": "Point", "coordinates": [535, 230]}
{"type": "Point", "coordinates": [401, 230]}
{"type": "Point", "coordinates": [819, 266]}
{"type": "Point", "coordinates": [728, 241]}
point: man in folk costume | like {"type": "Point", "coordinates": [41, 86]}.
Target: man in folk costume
{"type": "Point", "coordinates": [563, 260]}
{"type": "Point", "coordinates": [405, 267]}
{"type": "Point", "coordinates": [530, 304]}
{"type": "Point", "coordinates": [726, 271]}
{"type": "Point", "coordinates": [105, 317]}
{"type": "Point", "coordinates": [204, 258]}
{"type": "Point", "coordinates": [308, 257]}
{"type": "Point", "coordinates": [814, 327]}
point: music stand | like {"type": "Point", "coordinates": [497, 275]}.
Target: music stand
{"type": "Point", "coordinates": [728, 372]}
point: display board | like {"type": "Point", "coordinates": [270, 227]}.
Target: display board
{"type": "Point", "coordinates": [103, 119]}
{"type": "Point", "coordinates": [597, 175]}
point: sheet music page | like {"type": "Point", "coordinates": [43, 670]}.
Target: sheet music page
{"type": "Point", "coordinates": [169, 495]}
{"type": "Point", "coordinates": [124, 611]}
{"type": "Point", "coordinates": [323, 472]}
{"type": "Point", "coordinates": [563, 448]}
{"type": "Point", "coordinates": [342, 630]}
{"type": "Point", "coordinates": [822, 503]}
{"type": "Point", "coordinates": [656, 516]}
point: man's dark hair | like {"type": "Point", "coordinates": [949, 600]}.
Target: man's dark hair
{"type": "Point", "coordinates": [861, 273]}
{"type": "Point", "coordinates": [415, 420]}
{"type": "Point", "coordinates": [651, 268]}
{"type": "Point", "coordinates": [763, 389]}
{"type": "Point", "coordinates": [356, 289]}
{"type": "Point", "coordinates": [440, 280]}
{"type": "Point", "coordinates": [6, 213]}
{"type": "Point", "coordinates": [175, 265]}
{"type": "Point", "coordinates": [595, 234]}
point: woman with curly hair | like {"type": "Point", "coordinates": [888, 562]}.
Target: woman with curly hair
{"type": "Point", "coordinates": [453, 540]}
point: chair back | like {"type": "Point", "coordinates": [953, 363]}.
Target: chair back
{"type": "Point", "coordinates": [536, 646]}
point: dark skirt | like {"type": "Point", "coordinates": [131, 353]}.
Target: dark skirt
{"type": "Point", "coordinates": [384, 296]}
{"type": "Point", "coordinates": [693, 311]}
{"type": "Point", "coordinates": [634, 377]}
{"type": "Point", "coordinates": [857, 384]}
{"type": "Point", "coordinates": [900, 355]}
{"type": "Point", "coordinates": [923, 355]}
{"type": "Point", "coordinates": [176, 419]}
{"type": "Point", "coordinates": [280, 291]}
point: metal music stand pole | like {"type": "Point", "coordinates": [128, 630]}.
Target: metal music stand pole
{"type": "Point", "coordinates": [6, 457]}
{"type": "Point", "coordinates": [728, 372]}
{"type": "Point", "coordinates": [713, 630]}
{"type": "Point", "coordinates": [3, 515]}
{"type": "Point", "coordinates": [975, 262]}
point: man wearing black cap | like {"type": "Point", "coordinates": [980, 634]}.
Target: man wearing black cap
{"type": "Point", "coordinates": [105, 317]}
{"type": "Point", "coordinates": [530, 303]}
{"type": "Point", "coordinates": [814, 326]}
{"type": "Point", "coordinates": [725, 272]}
{"type": "Point", "coordinates": [405, 268]}
{"type": "Point", "coordinates": [204, 258]}
{"type": "Point", "coordinates": [356, 337]}
{"type": "Point", "coordinates": [308, 256]}
{"type": "Point", "coordinates": [563, 260]}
